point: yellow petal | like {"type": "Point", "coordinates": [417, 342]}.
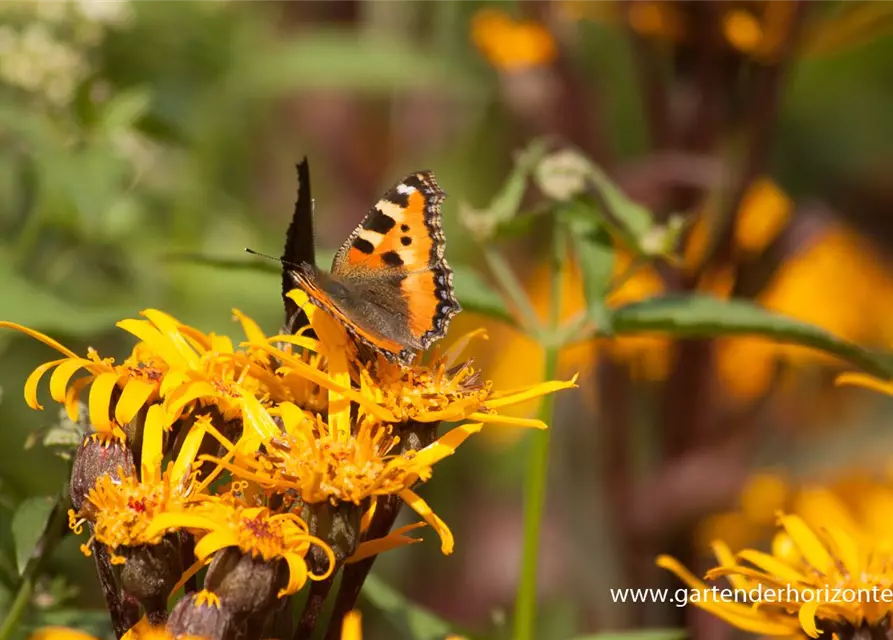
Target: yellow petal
{"type": "Point", "coordinates": [740, 615]}
{"type": "Point", "coordinates": [809, 544]}
{"type": "Point", "coordinates": [421, 507]}
{"type": "Point", "coordinates": [807, 618]}
{"type": "Point", "coordinates": [101, 400]}
{"type": "Point", "coordinates": [866, 381]}
{"type": "Point", "coordinates": [62, 375]}
{"type": "Point", "coordinates": [172, 381]}
{"type": "Point", "coordinates": [846, 550]}
{"type": "Point", "coordinates": [252, 330]}
{"type": "Point", "coordinates": [173, 520]}
{"type": "Point", "coordinates": [292, 416]}
{"type": "Point", "coordinates": [213, 542]}
{"type": "Point", "coordinates": [256, 417]}
{"type": "Point", "coordinates": [189, 393]}
{"type": "Point", "coordinates": [445, 445]}
{"type": "Point", "coordinates": [59, 633]}
{"type": "Point", "coordinates": [37, 335]}
{"type": "Point", "coordinates": [155, 341]}
{"type": "Point", "coordinates": [393, 540]}
{"type": "Point", "coordinates": [72, 398]}
{"type": "Point", "coordinates": [134, 396]}
{"type": "Point", "coordinates": [300, 341]}
{"type": "Point", "coordinates": [170, 329]}
{"type": "Point", "coordinates": [34, 379]}
{"type": "Point", "coordinates": [534, 391]}
{"type": "Point", "coordinates": [724, 556]}
{"type": "Point", "coordinates": [188, 450]}
{"type": "Point", "coordinates": [508, 420]}
{"type": "Point", "coordinates": [153, 439]}
{"type": "Point", "coordinates": [352, 626]}
{"type": "Point", "coordinates": [221, 344]}
{"type": "Point", "coordinates": [771, 565]}
{"type": "Point", "coordinates": [366, 520]}
{"type": "Point", "coordinates": [452, 353]}
{"type": "Point", "coordinates": [297, 574]}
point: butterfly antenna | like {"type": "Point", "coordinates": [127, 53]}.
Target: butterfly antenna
{"type": "Point", "coordinates": [269, 257]}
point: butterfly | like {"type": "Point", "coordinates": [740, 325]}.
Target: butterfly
{"type": "Point", "coordinates": [390, 285]}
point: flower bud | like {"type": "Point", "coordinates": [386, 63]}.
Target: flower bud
{"type": "Point", "coordinates": [338, 526]}
{"type": "Point", "coordinates": [95, 458]}
{"type": "Point", "coordinates": [150, 573]}
{"type": "Point", "coordinates": [200, 615]}
{"type": "Point", "coordinates": [247, 586]}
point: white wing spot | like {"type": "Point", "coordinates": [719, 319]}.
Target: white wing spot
{"type": "Point", "coordinates": [405, 189]}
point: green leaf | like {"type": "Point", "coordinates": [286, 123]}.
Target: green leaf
{"type": "Point", "coordinates": [412, 621]}
{"type": "Point", "coordinates": [594, 251]}
{"type": "Point", "coordinates": [125, 108]}
{"type": "Point", "coordinates": [655, 634]}
{"type": "Point", "coordinates": [476, 296]}
{"type": "Point", "coordinates": [504, 206]}
{"type": "Point", "coordinates": [705, 316]}
{"type": "Point", "coordinates": [28, 526]}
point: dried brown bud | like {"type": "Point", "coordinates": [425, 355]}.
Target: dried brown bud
{"type": "Point", "coordinates": [246, 586]}
{"type": "Point", "coordinates": [93, 459]}
{"type": "Point", "coordinates": [338, 526]}
{"type": "Point", "coordinates": [201, 615]}
{"type": "Point", "coordinates": [150, 573]}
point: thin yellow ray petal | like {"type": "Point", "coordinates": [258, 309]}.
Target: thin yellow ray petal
{"type": "Point", "coordinates": [215, 541]}
{"type": "Point", "coordinates": [188, 450]}
{"type": "Point", "coordinates": [494, 418]}
{"type": "Point", "coordinates": [380, 545]}
{"type": "Point", "coordinates": [153, 439]}
{"type": "Point", "coordinates": [34, 380]}
{"type": "Point", "coordinates": [366, 520]}
{"type": "Point", "coordinates": [59, 633]}
{"type": "Point", "coordinates": [312, 374]}
{"type": "Point", "coordinates": [189, 393]}
{"type": "Point", "coordinates": [866, 381]}
{"type": "Point", "coordinates": [170, 329]}
{"type": "Point", "coordinates": [759, 576]}
{"type": "Point", "coordinates": [256, 417]}
{"type": "Point", "coordinates": [454, 412]}
{"type": "Point", "coordinates": [172, 381]}
{"type": "Point", "coordinates": [742, 616]}
{"type": "Point", "coordinates": [134, 396]}
{"type": "Point", "coordinates": [771, 565]}
{"type": "Point", "coordinates": [221, 344]}
{"type": "Point", "coordinates": [37, 335]}
{"type": "Point", "coordinates": [455, 350]}
{"type": "Point", "coordinates": [299, 341]}
{"type": "Point", "coordinates": [352, 626]}
{"type": "Point", "coordinates": [445, 445]}
{"type": "Point", "coordinates": [297, 575]}
{"type": "Point", "coordinates": [536, 391]}
{"type": "Point", "coordinates": [72, 398]}
{"type": "Point", "coordinates": [809, 543]}
{"type": "Point", "coordinates": [173, 520]}
{"type": "Point", "coordinates": [421, 507]}
{"type": "Point", "coordinates": [252, 330]}
{"type": "Point", "coordinates": [191, 571]}
{"type": "Point", "coordinates": [155, 341]}
{"type": "Point", "coordinates": [807, 618]}
{"type": "Point", "coordinates": [847, 550]}
{"type": "Point", "coordinates": [724, 556]}
{"type": "Point", "coordinates": [100, 401]}
{"type": "Point", "coordinates": [292, 416]}
{"type": "Point", "coordinates": [62, 375]}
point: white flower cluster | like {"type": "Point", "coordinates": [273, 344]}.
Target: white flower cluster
{"type": "Point", "coordinates": [44, 44]}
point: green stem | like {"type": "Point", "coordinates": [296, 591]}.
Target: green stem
{"type": "Point", "coordinates": [510, 285]}
{"type": "Point", "coordinates": [18, 608]}
{"type": "Point", "coordinates": [538, 464]}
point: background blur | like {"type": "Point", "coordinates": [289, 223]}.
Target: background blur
{"type": "Point", "coordinates": [133, 134]}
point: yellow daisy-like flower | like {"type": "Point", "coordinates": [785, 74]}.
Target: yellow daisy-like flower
{"type": "Point", "coordinates": [121, 509]}
{"type": "Point", "coordinates": [511, 45]}
{"type": "Point", "coordinates": [828, 579]}
{"type": "Point", "coordinates": [256, 531]}
{"type": "Point", "coordinates": [172, 361]}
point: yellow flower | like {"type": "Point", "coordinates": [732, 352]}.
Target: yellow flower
{"type": "Point", "coordinates": [256, 531]}
{"type": "Point", "coordinates": [122, 509]}
{"type": "Point", "coordinates": [511, 45]}
{"type": "Point", "coordinates": [172, 361]}
{"type": "Point", "coordinates": [821, 578]}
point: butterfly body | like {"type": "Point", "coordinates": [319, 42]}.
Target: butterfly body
{"type": "Point", "coordinates": [390, 284]}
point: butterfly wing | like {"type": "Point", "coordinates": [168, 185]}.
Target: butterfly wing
{"type": "Point", "coordinates": [401, 241]}
{"type": "Point", "coordinates": [299, 247]}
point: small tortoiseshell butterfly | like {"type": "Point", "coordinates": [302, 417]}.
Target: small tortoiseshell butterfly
{"type": "Point", "coordinates": [390, 284]}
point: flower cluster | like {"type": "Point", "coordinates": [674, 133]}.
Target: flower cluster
{"type": "Point", "coordinates": [259, 466]}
